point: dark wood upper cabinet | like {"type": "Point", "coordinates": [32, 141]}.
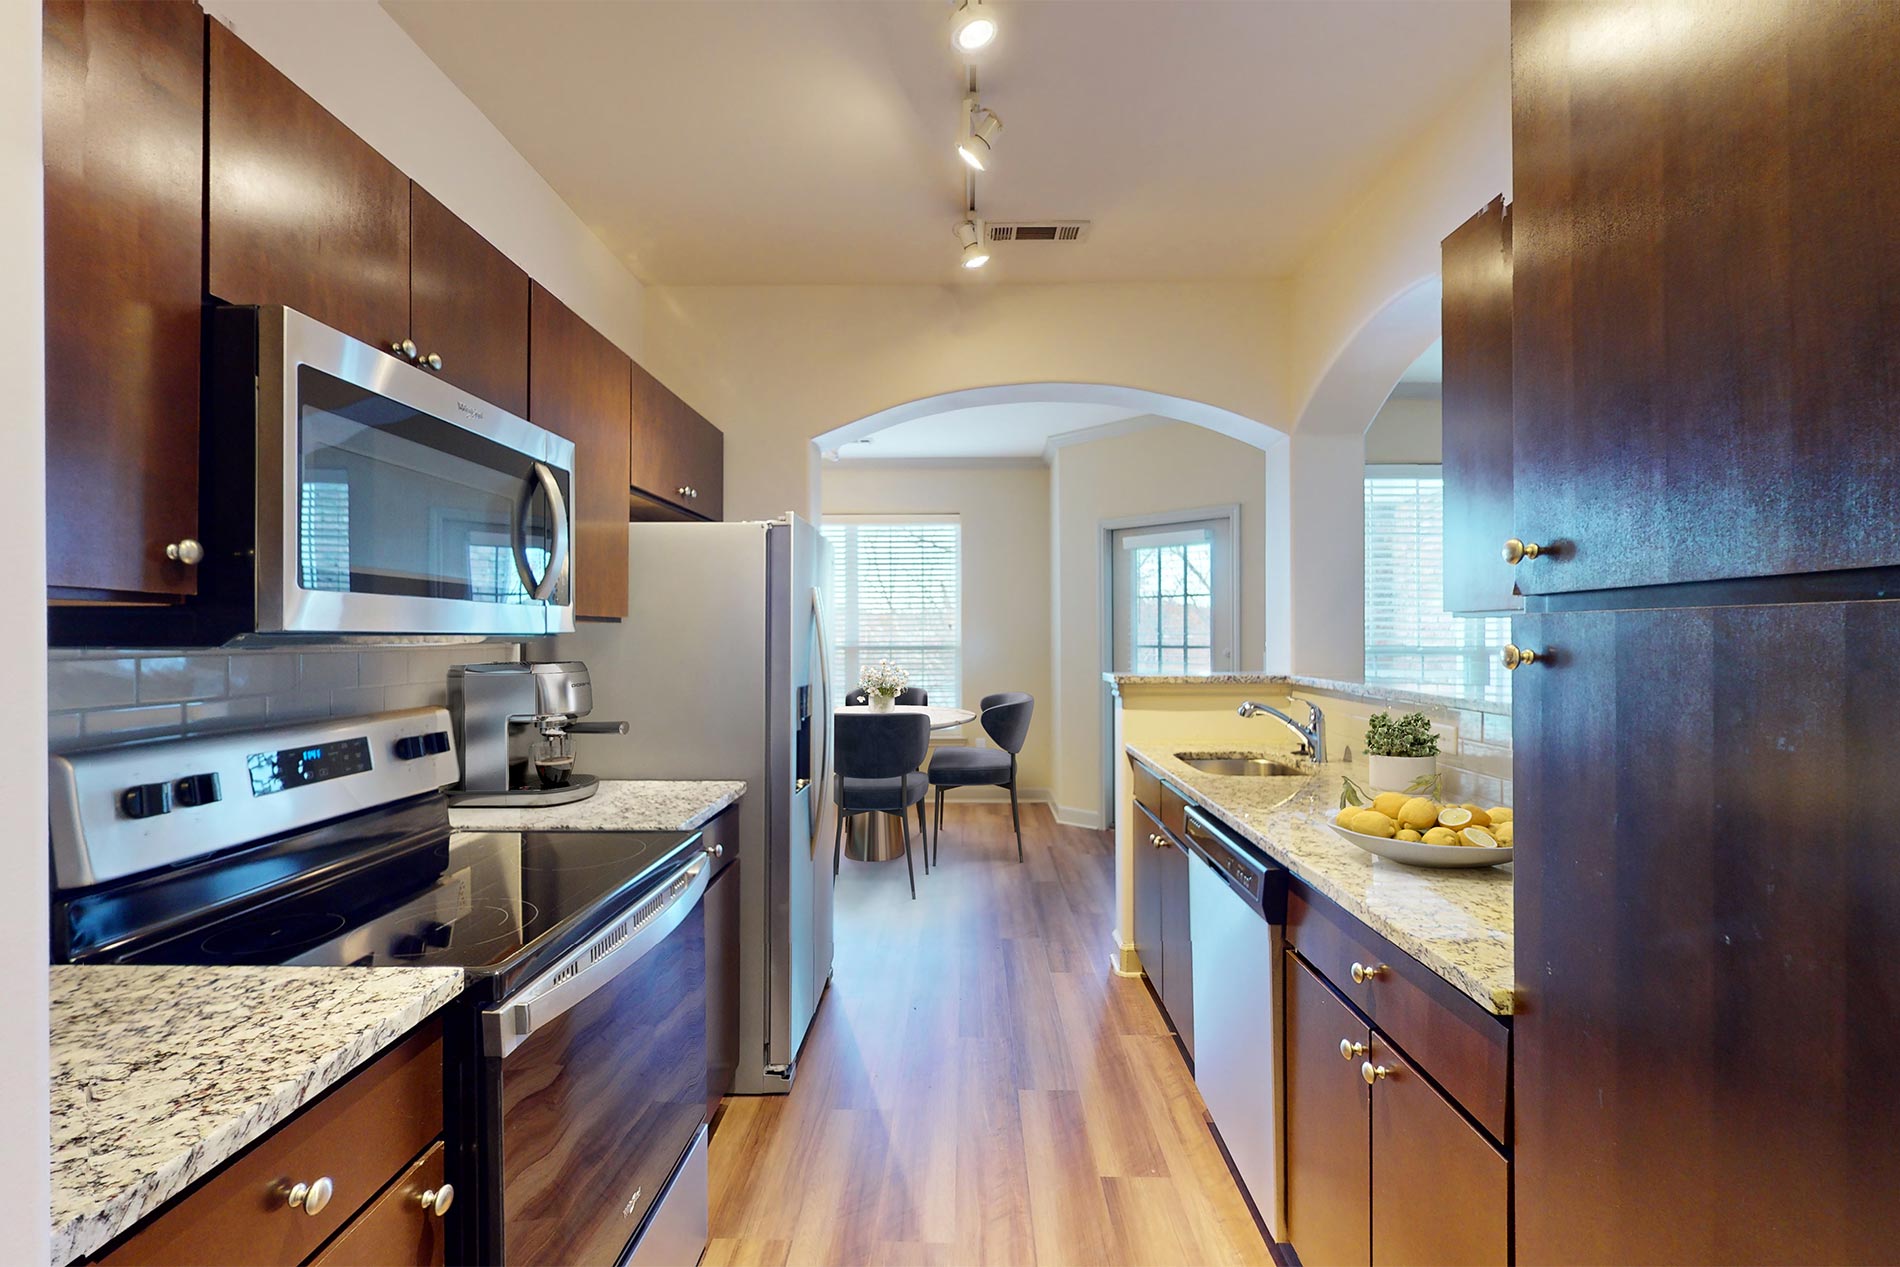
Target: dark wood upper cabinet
{"type": "Point", "coordinates": [302, 211]}
{"type": "Point", "coordinates": [677, 457]}
{"type": "Point", "coordinates": [468, 304]}
{"type": "Point", "coordinates": [1441, 1192]}
{"type": "Point", "coordinates": [1477, 413]}
{"type": "Point", "coordinates": [1708, 928]}
{"type": "Point", "coordinates": [580, 386]}
{"type": "Point", "coordinates": [124, 146]}
{"type": "Point", "coordinates": [1707, 376]}
{"type": "Point", "coordinates": [1328, 1147]}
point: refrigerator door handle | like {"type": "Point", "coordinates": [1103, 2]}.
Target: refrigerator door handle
{"type": "Point", "coordinates": [820, 786]}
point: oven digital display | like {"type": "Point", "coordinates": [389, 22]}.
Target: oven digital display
{"type": "Point", "coordinates": [300, 767]}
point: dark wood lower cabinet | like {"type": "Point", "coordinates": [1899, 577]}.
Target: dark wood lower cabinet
{"type": "Point", "coordinates": [723, 948]}
{"type": "Point", "coordinates": [1177, 951]}
{"type": "Point", "coordinates": [1441, 1194]}
{"type": "Point", "coordinates": [398, 1229]}
{"type": "Point", "coordinates": [1708, 936]}
{"type": "Point", "coordinates": [1328, 1148]}
{"type": "Point", "coordinates": [1149, 845]}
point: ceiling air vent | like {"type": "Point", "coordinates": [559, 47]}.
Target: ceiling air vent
{"type": "Point", "coordinates": [1038, 230]}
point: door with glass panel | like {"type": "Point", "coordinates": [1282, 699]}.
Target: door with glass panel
{"type": "Point", "coordinates": [1173, 598]}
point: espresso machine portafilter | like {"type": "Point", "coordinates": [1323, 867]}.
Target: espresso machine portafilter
{"type": "Point", "coordinates": [514, 732]}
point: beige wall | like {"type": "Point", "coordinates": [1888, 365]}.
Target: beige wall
{"type": "Point", "coordinates": [1173, 468]}
{"type": "Point", "coordinates": [1408, 431]}
{"type": "Point", "coordinates": [1005, 526]}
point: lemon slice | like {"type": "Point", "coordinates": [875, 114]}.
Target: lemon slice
{"type": "Point", "coordinates": [1454, 817]}
{"type": "Point", "coordinates": [1479, 837]}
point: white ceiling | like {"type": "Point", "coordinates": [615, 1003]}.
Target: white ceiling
{"type": "Point", "coordinates": [1429, 367]}
{"type": "Point", "coordinates": [985, 431]}
{"type": "Point", "coordinates": [774, 141]}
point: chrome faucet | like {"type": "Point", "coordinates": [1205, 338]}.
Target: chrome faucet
{"type": "Point", "coordinates": [1312, 735]}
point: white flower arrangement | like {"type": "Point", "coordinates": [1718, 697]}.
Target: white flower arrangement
{"type": "Point", "coordinates": [883, 678]}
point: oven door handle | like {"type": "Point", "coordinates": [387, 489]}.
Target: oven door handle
{"type": "Point", "coordinates": [542, 475]}
{"type": "Point", "coordinates": [596, 964]}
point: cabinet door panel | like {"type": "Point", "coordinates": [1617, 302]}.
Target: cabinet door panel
{"type": "Point", "coordinates": [675, 455]}
{"type": "Point", "coordinates": [124, 144]}
{"type": "Point", "coordinates": [396, 1230]}
{"type": "Point", "coordinates": [1177, 951]}
{"type": "Point", "coordinates": [1328, 1145]}
{"type": "Point", "coordinates": [1441, 1194]}
{"type": "Point", "coordinates": [578, 387]}
{"type": "Point", "coordinates": [1148, 895]}
{"type": "Point", "coordinates": [1477, 413]}
{"type": "Point", "coordinates": [302, 211]}
{"type": "Point", "coordinates": [1706, 948]}
{"type": "Point", "coordinates": [1707, 381]}
{"type": "Point", "coordinates": [468, 304]}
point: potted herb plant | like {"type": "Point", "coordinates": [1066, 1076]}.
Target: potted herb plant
{"type": "Point", "coordinates": [882, 683]}
{"type": "Point", "coordinates": [1402, 754]}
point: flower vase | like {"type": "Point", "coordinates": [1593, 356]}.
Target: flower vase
{"type": "Point", "coordinates": [883, 703]}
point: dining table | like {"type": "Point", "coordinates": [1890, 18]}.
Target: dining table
{"type": "Point", "coordinates": [876, 836]}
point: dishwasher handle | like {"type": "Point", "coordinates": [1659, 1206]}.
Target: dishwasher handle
{"type": "Point", "coordinates": [1258, 879]}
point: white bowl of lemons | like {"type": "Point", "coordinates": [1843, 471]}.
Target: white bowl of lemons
{"type": "Point", "coordinates": [1422, 832]}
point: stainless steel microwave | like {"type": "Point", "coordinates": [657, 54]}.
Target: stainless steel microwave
{"type": "Point", "coordinates": [346, 494]}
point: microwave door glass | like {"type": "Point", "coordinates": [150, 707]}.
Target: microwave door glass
{"type": "Point", "coordinates": [395, 501]}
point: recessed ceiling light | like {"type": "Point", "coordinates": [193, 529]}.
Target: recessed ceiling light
{"type": "Point", "coordinates": [979, 138]}
{"type": "Point", "coordinates": [975, 254]}
{"type": "Point", "coordinates": [972, 29]}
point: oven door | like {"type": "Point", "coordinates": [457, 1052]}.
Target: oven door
{"type": "Point", "coordinates": [391, 502]}
{"type": "Point", "coordinates": [598, 1084]}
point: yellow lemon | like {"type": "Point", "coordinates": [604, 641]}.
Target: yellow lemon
{"type": "Point", "coordinates": [1406, 833]}
{"type": "Point", "coordinates": [1480, 817]}
{"type": "Point", "coordinates": [1441, 836]}
{"type": "Point", "coordinates": [1390, 803]}
{"type": "Point", "coordinates": [1419, 813]}
{"type": "Point", "coordinates": [1503, 832]}
{"type": "Point", "coordinates": [1370, 822]}
{"type": "Point", "coordinates": [1479, 838]}
{"type": "Point", "coordinates": [1499, 815]}
{"type": "Point", "coordinates": [1454, 817]}
{"type": "Point", "coordinates": [1344, 817]}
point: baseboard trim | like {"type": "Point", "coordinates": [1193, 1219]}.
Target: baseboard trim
{"type": "Point", "coordinates": [1069, 816]}
{"type": "Point", "coordinates": [1124, 960]}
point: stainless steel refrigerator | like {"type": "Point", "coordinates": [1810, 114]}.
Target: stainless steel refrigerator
{"type": "Point", "coordinates": [720, 669]}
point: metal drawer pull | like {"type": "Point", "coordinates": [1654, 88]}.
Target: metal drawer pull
{"type": "Point", "coordinates": [311, 1198]}
{"type": "Point", "coordinates": [1516, 656]}
{"type": "Point", "coordinates": [1515, 551]}
{"type": "Point", "coordinates": [1349, 1050]}
{"type": "Point", "coordinates": [1362, 974]}
{"type": "Point", "coordinates": [437, 1201]}
{"type": "Point", "coordinates": [1372, 1073]}
{"type": "Point", "coordinates": [187, 551]}
{"type": "Point", "coordinates": [405, 348]}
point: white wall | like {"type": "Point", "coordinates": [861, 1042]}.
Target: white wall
{"type": "Point", "coordinates": [1005, 526]}
{"type": "Point", "coordinates": [24, 1139]}
{"type": "Point", "coordinates": [1409, 430]}
{"type": "Point", "coordinates": [363, 68]}
{"type": "Point", "coordinates": [1178, 467]}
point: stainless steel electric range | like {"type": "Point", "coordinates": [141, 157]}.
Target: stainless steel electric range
{"type": "Point", "coordinates": [576, 1083]}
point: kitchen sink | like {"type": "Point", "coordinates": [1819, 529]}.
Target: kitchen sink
{"type": "Point", "coordinates": [1245, 767]}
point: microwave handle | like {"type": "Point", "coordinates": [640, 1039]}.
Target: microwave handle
{"type": "Point", "coordinates": [543, 476]}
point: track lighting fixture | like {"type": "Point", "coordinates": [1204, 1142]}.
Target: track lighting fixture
{"type": "Point", "coordinates": [981, 127]}
{"type": "Point", "coordinates": [972, 29]}
{"type": "Point", "coordinates": [975, 253]}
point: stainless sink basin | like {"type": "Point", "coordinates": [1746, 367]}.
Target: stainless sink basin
{"type": "Point", "coordinates": [1245, 767]}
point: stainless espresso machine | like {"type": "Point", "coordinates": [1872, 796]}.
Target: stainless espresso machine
{"type": "Point", "coordinates": [514, 729]}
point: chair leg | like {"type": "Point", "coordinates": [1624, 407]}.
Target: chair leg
{"type": "Point", "coordinates": [905, 819]}
{"type": "Point", "coordinates": [923, 836]}
{"type": "Point", "coordinates": [938, 850]}
{"type": "Point", "coordinates": [1016, 817]}
{"type": "Point", "coordinates": [837, 844]}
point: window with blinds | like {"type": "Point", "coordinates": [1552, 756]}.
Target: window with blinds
{"type": "Point", "coordinates": [1411, 640]}
{"type": "Point", "coordinates": [897, 595]}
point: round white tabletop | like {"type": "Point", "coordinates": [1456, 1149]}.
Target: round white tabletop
{"type": "Point", "coordinates": [940, 718]}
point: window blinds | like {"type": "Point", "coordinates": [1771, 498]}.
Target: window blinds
{"type": "Point", "coordinates": [896, 594]}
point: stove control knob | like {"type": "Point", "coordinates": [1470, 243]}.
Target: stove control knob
{"type": "Point", "coordinates": [433, 744]}
{"type": "Point", "coordinates": [197, 789]}
{"type": "Point", "coordinates": [146, 800]}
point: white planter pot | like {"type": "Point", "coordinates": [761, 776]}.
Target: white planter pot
{"type": "Point", "coordinates": [883, 703]}
{"type": "Point", "coordinates": [1397, 774]}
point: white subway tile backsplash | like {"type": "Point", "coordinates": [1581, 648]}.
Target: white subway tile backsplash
{"type": "Point", "coordinates": [326, 670]}
{"type": "Point", "coordinates": [91, 683]}
{"type": "Point", "coordinates": [125, 723]}
{"type": "Point", "coordinates": [1497, 729]}
{"type": "Point", "coordinates": [219, 714]}
{"type": "Point", "coordinates": [174, 679]}
{"type": "Point", "coordinates": [356, 700]}
{"type": "Point", "coordinates": [263, 672]}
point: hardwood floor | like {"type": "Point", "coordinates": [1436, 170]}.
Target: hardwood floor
{"type": "Point", "coordinates": [978, 1086]}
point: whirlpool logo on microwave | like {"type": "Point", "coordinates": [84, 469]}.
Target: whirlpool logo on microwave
{"type": "Point", "coordinates": [468, 409]}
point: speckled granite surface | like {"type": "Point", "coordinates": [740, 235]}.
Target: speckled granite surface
{"type": "Point", "coordinates": [1351, 690]}
{"type": "Point", "coordinates": [160, 1074]}
{"type": "Point", "coordinates": [620, 805]}
{"type": "Point", "coordinates": [1457, 923]}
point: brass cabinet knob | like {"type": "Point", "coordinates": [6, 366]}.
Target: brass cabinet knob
{"type": "Point", "coordinates": [1349, 1050]}
{"type": "Point", "coordinates": [186, 551]}
{"type": "Point", "coordinates": [680, 491]}
{"type": "Point", "coordinates": [1372, 1073]}
{"type": "Point", "coordinates": [1516, 656]}
{"type": "Point", "coordinates": [431, 361]}
{"type": "Point", "coordinates": [717, 851]}
{"type": "Point", "coordinates": [311, 1197]}
{"type": "Point", "coordinates": [1159, 842]}
{"type": "Point", "coordinates": [437, 1201]}
{"type": "Point", "coordinates": [405, 348]}
{"type": "Point", "coordinates": [1515, 551]}
{"type": "Point", "coordinates": [1362, 974]}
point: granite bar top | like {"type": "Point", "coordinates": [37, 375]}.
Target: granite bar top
{"type": "Point", "coordinates": [1371, 694]}
{"type": "Point", "coordinates": [620, 805]}
{"type": "Point", "coordinates": [1457, 923]}
{"type": "Point", "coordinates": [160, 1074]}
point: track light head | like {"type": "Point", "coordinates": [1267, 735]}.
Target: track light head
{"type": "Point", "coordinates": [975, 253]}
{"type": "Point", "coordinates": [972, 29]}
{"type": "Point", "coordinates": [979, 138]}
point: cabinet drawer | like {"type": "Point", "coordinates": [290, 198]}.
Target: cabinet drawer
{"type": "Point", "coordinates": [396, 1230]}
{"type": "Point", "coordinates": [1441, 1193]}
{"type": "Point", "coordinates": [1173, 813]}
{"type": "Point", "coordinates": [723, 831]}
{"type": "Point", "coordinates": [1466, 1049]}
{"type": "Point", "coordinates": [1147, 787]}
{"type": "Point", "coordinates": [359, 1135]}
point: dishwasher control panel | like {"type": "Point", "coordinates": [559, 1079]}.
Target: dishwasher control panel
{"type": "Point", "coordinates": [1258, 879]}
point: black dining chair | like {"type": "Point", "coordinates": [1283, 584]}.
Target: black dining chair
{"type": "Point", "coordinates": [876, 758]}
{"type": "Point", "coordinates": [1006, 717]}
{"type": "Point", "coordinates": [909, 695]}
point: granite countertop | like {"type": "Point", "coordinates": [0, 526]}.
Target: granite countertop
{"type": "Point", "coordinates": [620, 805]}
{"type": "Point", "coordinates": [161, 1074]}
{"type": "Point", "coordinates": [1457, 923]}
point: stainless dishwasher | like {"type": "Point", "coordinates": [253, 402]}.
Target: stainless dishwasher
{"type": "Point", "coordinates": [1237, 914]}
